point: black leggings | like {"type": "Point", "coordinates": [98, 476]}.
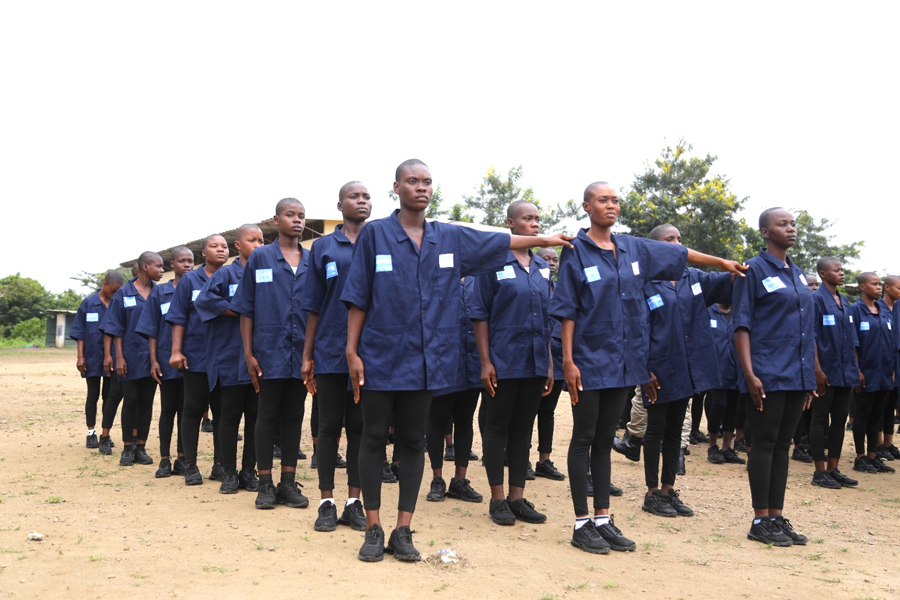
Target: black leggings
{"type": "Point", "coordinates": [773, 427]}
{"type": "Point", "coordinates": [171, 399]}
{"type": "Point", "coordinates": [833, 406]}
{"type": "Point", "coordinates": [696, 412]}
{"type": "Point", "coordinates": [594, 421]}
{"type": "Point", "coordinates": [545, 418]}
{"type": "Point", "coordinates": [664, 424]}
{"type": "Point", "coordinates": [336, 411]}
{"type": "Point", "coordinates": [457, 408]}
{"type": "Point", "coordinates": [137, 411]}
{"type": "Point", "coordinates": [94, 393]}
{"type": "Point", "coordinates": [887, 419]}
{"type": "Point", "coordinates": [410, 409]}
{"type": "Point", "coordinates": [721, 410]}
{"type": "Point", "coordinates": [197, 399]}
{"type": "Point", "coordinates": [866, 425]}
{"type": "Point", "coordinates": [741, 418]}
{"type": "Point", "coordinates": [510, 415]}
{"type": "Point", "coordinates": [281, 406]}
{"type": "Point", "coordinates": [314, 416]}
{"type": "Point", "coordinates": [802, 430]}
{"type": "Point", "coordinates": [111, 401]}
{"type": "Point", "coordinates": [237, 401]}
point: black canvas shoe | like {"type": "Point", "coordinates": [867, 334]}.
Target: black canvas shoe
{"type": "Point", "coordinates": [699, 436]}
{"type": "Point", "coordinates": [524, 511]}
{"type": "Point", "coordinates": [179, 467]}
{"type": "Point", "coordinates": [714, 455]}
{"type": "Point", "coordinates": [112, 444]}
{"type": "Point", "coordinates": [500, 512]}
{"type": "Point", "coordinates": [266, 497]}
{"type": "Point", "coordinates": [740, 445]}
{"type": "Point", "coordinates": [686, 449]}
{"type": "Point", "coordinates": [438, 490]}
{"type": "Point", "coordinates": [217, 473]}
{"type": "Point", "coordinates": [401, 546]}
{"type": "Point", "coordinates": [764, 532]}
{"type": "Point", "coordinates": [823, 479]}
{"type": "Point", "coordinates": [301, 455]}
{"type": "Point", "coordinates": [372, 549]}
{"type": "Point", "coordinates": [105, 446]}
{"type": "Point", "coordinates": [461, 489]}
{"type": "Point", "coordinates": [529, 473]}
{"type": "Point", "coordinates": [547, 469]}
{"type": "Point", "coordinates": [92, 442]}
{"type": "Point", "coordinates": [192, 476]}
{"type": "Point", "coordinates": [230, 483]}
{"type": "Point", "coordinates": [629, 447]}
{"type": "Point", "coordinates": [127, 457]}
{"type": "Point", "coordinates": [615, 539]}
{"type": "Point", "coordinates": [784, 526]}
{"type": "Point", "coordinates": [613, 490]}
{"type": "Point", "coordinates": [276, 451]}
{"type": "Point", "coordinates": [472, 455]}
{"type": "Point", "coordinates": [587, 538]}
{"type": "Point", "coordinates": [731, 457]}
{"type": "Point", "coordinates": [387, 474]}
{"type": "Point", "coordinates": [395, 469]}
{"type": "Point", "coordinates": [590, 487]}
{"type": "Point", "coordinates": [880, 466]}
{"type": "Point", "coordinates": [800, 454]}
{"type": "Point", "coordinates": [863, 465]}
{"type": "Point", "coordinates": [894, 451]}
{"type": "Point", "coordinates": [247, 480]}
{"type": "Point", "coordinates": [843, 479]}
{"type": "Point", "coordinates": [883, 453]}
{"type": "Point", "coordinates": [313, 463]}
{"type": "Point", "coordinates": [165, 469]}
{"type": "Point", "coordinates": [339, 462]}
{"type": "Point", "coordinates": [289, 495]}
{"type": "Point", "coordinates": [140, 455]}
{"type": "Point", "coordinates": [681, 469]}
{"type": "Point", "coordinates": [682, 509]}
{"type": "Point", "coordinates": [658, 504]}
{"type": "Point", "coordinates": [450, 452]}
{"type": "Point", "coordinates": [327, 519]}
{"type": "Point", "coordinates": [353, 516]}
{"type": "Point", "coordinates": [206, 426]}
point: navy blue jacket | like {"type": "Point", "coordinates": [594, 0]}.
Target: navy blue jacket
{"type": "Point", "coordinates": [225, 363]}
{"type": "Point", "coordinates": [152, 324]}
{"type": "Point", "coordinates": [120, 321]}
{"type": "Point", "coordinates": [723, 336]}
{"type": "Point", "coordinates": [876, 345]}
{"type": "Point", "coordinates": [181, 312]}
{"type": "Point", "coordinates": [836, 339]}
{"type": "Point", "coordinates": [86, 327]}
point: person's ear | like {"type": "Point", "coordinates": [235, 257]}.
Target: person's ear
{"type": "Point", "coordinates": [509, 222]}
{"type": "Point", "coordinates": [764, 233]}
{"type": "Point", "coordinates": [397, 187]}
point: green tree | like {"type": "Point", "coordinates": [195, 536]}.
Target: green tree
{"type": "Point", "coordinates": [21, 298]}
{"type": "Point", "coordinates": [68, 300]}
{"type": "Point", "coordinates": [435, 210]}
{"type": "Point", "coordinates": [94, 281]}
{"type": "Point", "coordinates": [31, 331]}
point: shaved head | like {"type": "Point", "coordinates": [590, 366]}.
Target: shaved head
{"type": "Point", "coordinates": [407, 163]}
{"type": "Point", "coordinates": [892, 280]}
{"type": "Point", "coordinates": [113, 277]}
{"type": "Point", "coordinates": [176, 252]}
{"type": "Point", "coordinates": [515, 208]}
{"type": "Point", "coordinates": [284, 203]}
{"type": "Point", "coordinates": [765, 218]}
{"type": "Point", "coordinates": [148, 257]}
{"type": "Point", "coordinates": [659, 232]}
{"type": "Point", "coordinates": [344, 188]}
{"type": "Point", "coordinates": [866, 277]}
{"type": "Point", "coordinates": [247, 228]}
{"type": "Point", "coordinates": [210, 238]}
{"type": "Point", "coordinates": [825, 262]}
{"type": "Point", "coordinates": [590, 188]}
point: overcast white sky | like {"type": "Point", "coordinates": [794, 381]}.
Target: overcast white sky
{"type": "Point", "coordinates": [132, 126]}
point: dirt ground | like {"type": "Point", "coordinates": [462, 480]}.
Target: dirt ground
{"type": "Point", "coordinates": [111, 531]}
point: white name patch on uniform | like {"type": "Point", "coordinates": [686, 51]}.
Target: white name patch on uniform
{"type": "Point", "coordinates": [636, 268]}
{"type": "Point", "coordinates": [129, 301]}
{"type": "Point", "coordinates": [864, 326]}
{"type": "Point", "coordinates": [164, 308]}
{"type": "Point", "coordinates": [803, 279]}
{"type": "Point", "coordinates": [773, 283]}
{"type": "Point", "coordinates": [592, 274]}
{"type": "Point", "coordinates": [445, 261]}
{"type": "Point", "coordinates": [263, 276]}
{"type": "Point", "coordinates": [194, 295]}
{"type": "Point", "coordinates": [507, 273]}
{"type": "Point", "coordinates": [383, 263]}
{"type": "Point", "coordinates": [545, 272]}
{"type": "Point", "coordinates": [828, 320]}
{"type": "Point", "coordinates": [655, 301]}
{"type": "Point", "coordinates": [92, 317]}
{"type": "Point", "coordinates": [713, 324]}
{"type": "Point", "coordinates": [331, 270]}
{"type": "Point", "coordinates": [697, 289]}
{"type": "Point", "coordinates": [232, 288]}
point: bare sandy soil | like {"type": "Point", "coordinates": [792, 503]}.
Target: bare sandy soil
{"type": "Point", "coordinates": [114, 532]}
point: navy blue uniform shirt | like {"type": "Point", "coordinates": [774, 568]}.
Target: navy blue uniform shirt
{"type": "Point", "coordinates": [86, 327]}
{"type": "Point", "coordinates": [774, 304]}
{"type": "Point", "coordinates": [604, 295]}
{"type": "Point", "coordinates": [723, 337]}
{"type": "Point", "coordinates": [895, 317]}
{"type": "Point", "coordinates": [836, 339]}
{"type": "Point", "coordinates": [271, 294]}
{"type": "Point", "coordinates": [682, 352]}
{"type": "Point", "coordinates": [516, 302]}
{"type": "Point", "coordinates": [152, 324]}
{"type": "Point", "coordinates": [876, 345]}
{"type": "Point", "coordinates": [410, 338]}
{"type": "Point", "coordinates": [460, 382]}
{"type": "Point", "coordinates": [556, 342]}
{"type": "Point", "coordinates": [121, 320]}
{"type": "Point", "coordinates": [224, 350]}
{"type": "Point", "coordinates": [181, 312]}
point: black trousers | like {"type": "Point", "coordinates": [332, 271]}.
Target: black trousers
{"type": "Point", "coordinates": [696, 412]}
{"type": "Point", "coordinates": [111, 401]}
{"type": "Point", "coordinates": [281, 407]}
{"type": "Point", "coordinates": [98, 387]}
{"type": "Point", "coordinates": [510, 415]}
{"type": "Point", "coordinates": [594, 422]}
{"type": "Point", "coordinates": [832, 407]}
{"type": "Point", "coordinates": [721, 410]}
{"type": "Point", "coordinates": [457, 408]}
{"type": "Point", "coordinates": [866, 425]}
{"type": "Point", "coordinates": [802, 430]}
{"type": "Point", "coordinates": [887, 416]}
{"type": "Point", "coordinates": [197, 399]}
{"type": "Point", "coordinates": [545, 419]}
{"type": "Point", "coordinates": [410, 410]}
{"type": "Point", "coordinates": [137, 411]}
{"type": "Point", "coordinates": [337, 410]}
{"type": "Point", "coordinates": [237, 401]}
{"type": "Point", "coordinates": [314, 416]}
{"type": "Point", "coordinates": [773, 428]}
{"type": "Point", "coordinates": [664, 424]}
{"type": "Point", "coordinates": [171, 398]}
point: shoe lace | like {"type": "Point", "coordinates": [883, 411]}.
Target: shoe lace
{"type": "Point", "coordinates": [356, 509]}
{"type": "Point", "coordinates": [785, 525]}
{"type": "Point", "coordinates": [372, 534]}
{"type": "Point", "coordinates": [464, 484]}
{"type": "Point", "coordinates": [404, 535]}
{"type": "Point", "coordinates": [612, 525]}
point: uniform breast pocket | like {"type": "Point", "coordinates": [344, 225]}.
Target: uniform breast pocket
{"type": "Point", "coordinates": [599, 338]}
{"type": "Point", "coordinates": [382, 348]}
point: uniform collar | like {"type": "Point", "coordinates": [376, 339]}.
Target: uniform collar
{"type": "Point", "coordinates": [201, 273]}
{"type": "Point", "coordinates": [340, 236]}
{"type": "Point", "coordinates": [829, 299]}
{"type": "Point", "coordinates": [280, 257]}
{"type": "Point", "coordinates": [236, 265]}
{"type": "Point", "coordinates": [430, 235]}
{"type": "Point", "coordinates": [582, 235]}
{"type": "Point", "coordinates": [776, 261]}
{"type": "Point", "coordinates": [131, 290]}
{"type": "Point", "coordinates": [865, 307]}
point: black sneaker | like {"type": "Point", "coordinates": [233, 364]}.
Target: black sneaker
{"type": "Point", "coordinates": [192, 476]}
{"type": "Point", "coordinates": [301, 455]}
{"type": "Point", "coordinates": [894, 451]}
{"type": "Point", "coordinates": [140, 455]}
{"type": "Point", "coordinates": [800, 454]}
{"type": "Point", "coordinates": [353, 516]}
{"type": "Point", "coordinates": [314, 464]}
{"type": "Point", "coordinates": [529, 473]}
{"type": "Point", "coordinates": [880, 466]}
{"type": "Point", "coordinates": [682, 509]}
{"type": "Point", "coordinates": [699, 436]}
{"type": "Point", "coordinates": [762, 530]}
{"type": "Point", "coordinates": [714, 455]}
{"type": "Point", "coordinates": [681, 469]}
{"type": "Point", "coordinates": [206, 426]}
{"type": "Point", "coordinates": [395, 469]}
{"type": "Point", "coordinates": [240, 437]}
{"type": "Point", "coordinates": [843, 479]}
{"type": "Point", "coordinates": [127, 457]}
{"type": "Point", "coordinates": [450, 452]}
{"type": "Point", "coordinates": [92, 442]}
{"type": "Point", "coordinates": [266, 497]}
{"type": "Point", "coordinates": [883, 453]}
{"type": "Point", "coordinates": [387, 474]}
{"type": "Point", "coordinates": [588, 539]}
{"type": "Point", "coordinates": [276, 451]}
{"type": "Point", "coordinates": [289, 494]}
{"type": "Point", "coordinates": [372, 549]}
{"type": "Point", "coordinates": [524, 511]}
{"type": "Point", "coordinates": [179, 467]}
{"type": "Point", "coordinates": [500, 512]}
{"type": "Point", "coordinates": [547, 469]}
{"type": "Point", "coordinates": [401, 546]}
{"type": "Point", "coordinates": [590, 487]}
{"type": "Point", "coordinates": [230, 483]}
{"type": "Point", "coordinates": [686, 450]}
{"type": "Point", "coordinates": [785, 527]}
{"type": "Point", "coordinates": [112, 444]}
{"type": "Point", "coordinates": [658, 504]}
{"type": "Point", "coordinates": [740, 445]}
{"type": "Point", "coordinates": [824, 479]}
{"type": "Point", "coordinates": [165, 469]}
{"type": "Point", "coordinates": [339, 462]}
{"type": "Point", "coordinates": [461, 489]}
{"type": "Point", "coordinates": [438, 490]}
{"type": "Point", "coordinates": [732, 458]}
{"type": "Point", "coordinates": [217, 473]}
{"type": "Point", "coordinates": [472, 455]}
{"type": "Point", "coordinates": [849, 426]}
{"type": "Point", "coordinates": [629, 447]}
{"type": "Point", "coordinates": [613, 490]}
{"type": "Point", "coordinates": [247, 480]}
{"type": "Point", "coordinates": [863, 465]}
{"type": "Point", "coordinates": [105, 446]}
{"type": "Point", "coordinates": [613, 536]}
{"type": "Point", "coordinates": [327, 519]}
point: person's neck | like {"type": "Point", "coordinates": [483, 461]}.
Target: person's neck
{"type": "Point", "coordinates": [352, 228]}
{"type": "Point", "coordinates": [889, 301]}
{"type": "Point", "coordinates": [599, 234]}
{"type": "Point", "coordinates": [105, 296]}
{"type": "Point", "coordinates": [243, 260]}
{"type": "Point", "coordinates": [871, 303]}
{"type": "Point", "coordinates": [288, 242]}
{"type": "Point", "coordinates": [175, 280]}
{"type": "Point", "coordinates": [211, 269]}
{"type": "Point", "coordinates": [142, 281]}
{"type": "Point", "coordinates": [777, 251]}
{"type": "Point", "coordinates": [412, 219]}
{"type": "Point", "coordinates": [831, 287]}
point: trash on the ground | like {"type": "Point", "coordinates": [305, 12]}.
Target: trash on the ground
{"type": "Point", "coordinates": [447, 555]}
{"type": "Point", "coordinates": [35, 536]}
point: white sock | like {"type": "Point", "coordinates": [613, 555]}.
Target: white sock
{"type": "Point", "coordinates": [324, 500]}
{"type": "Point", "coordinates": [581, 522]}
{"type": "Point", "coordinates": [351, 501]}
{"type": "Point", "coordinates": [92, 432]}
{"type": "Point", "coordinates": [601, 520]}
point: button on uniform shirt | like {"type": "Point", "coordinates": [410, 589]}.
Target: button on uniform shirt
{"type": "Point", "coordinates": [121, 320]}
{"type": "Point", "coordinates": [876, 345]}
{"type": "Point", "coordinates": [682, 352]}
{"type": "Point", "coordinates": [86, 327]}
{"type": "Point", "coordinates": [152, 324]}
{"type": "Point", "coordinates": [182, 312]}
{"type": "Point", "coordinates": [515, 302]}
{"type": "Point", "coordinates": [723, 337]}
{"type": "Point", "coordinates": [774, 304]}
{"type": "Point", "coordinates": [410, 338]}
{"type": "Point", "coordinates": [225, 363]}
{"type": "Point", "coordinates": [271, 294]}
{"type": "Point", "coordinates": [836, 338]}
{"type": "Point", "coordinates": [604, 295]}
